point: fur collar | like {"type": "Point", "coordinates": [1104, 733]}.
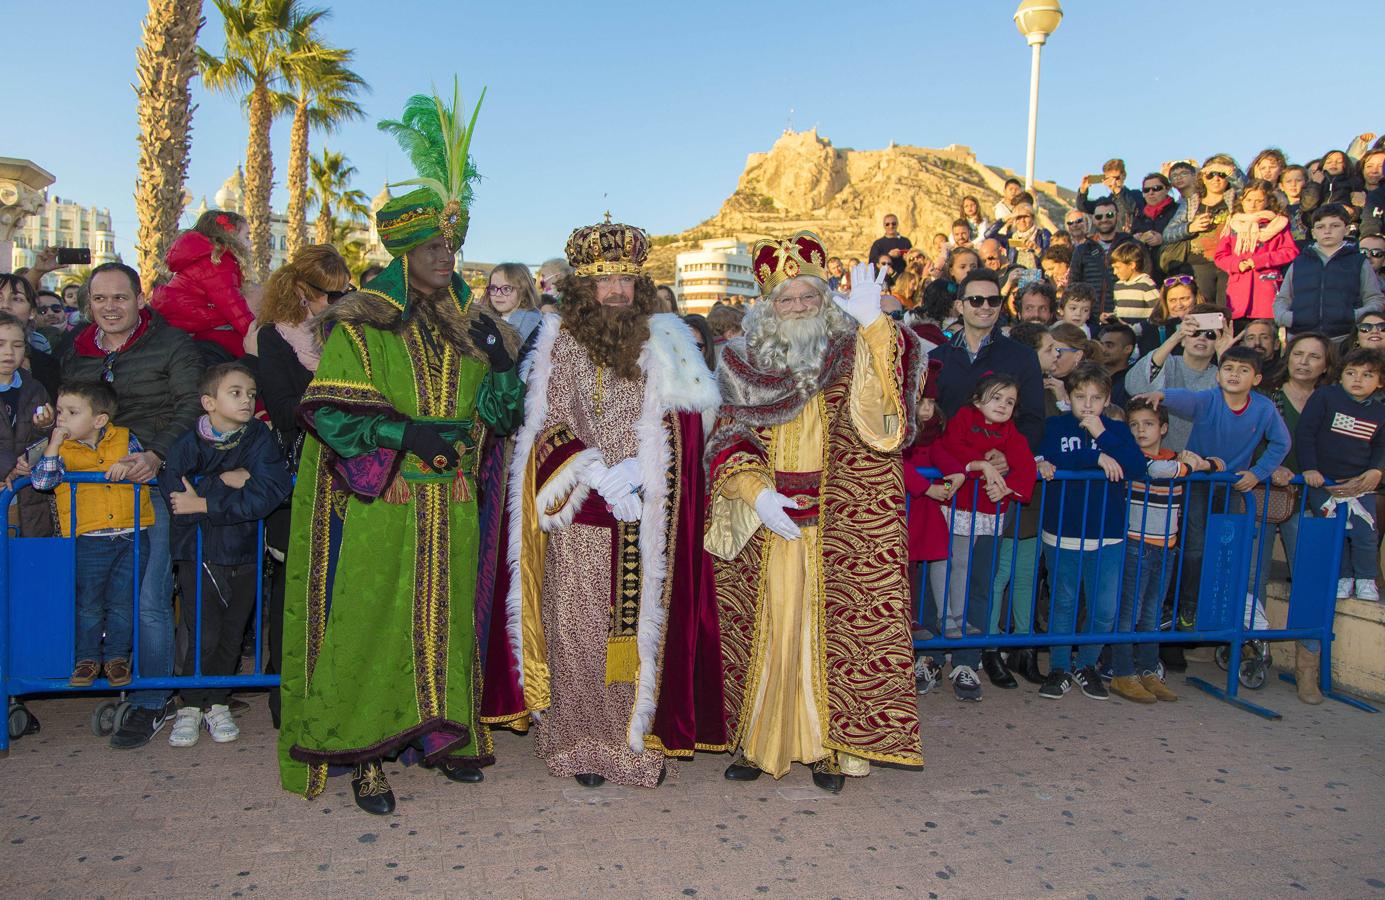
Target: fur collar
{"type": "Point", "coordinates": [371, 310]}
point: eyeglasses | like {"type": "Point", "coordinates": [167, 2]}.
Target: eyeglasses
{"type": "Point", "coordinates": [1178, 279]}
{"type": "Point", "coordinates": [500, 290]}
{"type": "Point", "coordinates": [1208, 334]}
{"type": "Point", "coordinates": [1372, 253]}
{"type": "Point", "coordinates": [1154, 189]}
{"type": "Point", "coordinates": [1022, 216]}
{"type": "Point", "coordinates": [1075, 223]}
{"type": "Point", "coordinates": [50, 309]}
{"type": "Point", "coordinates": [1215, 173]}
{"type": "Point", "coordinates": [1369, 327]}
{"type": "Point", "coordinates": [891, 224]}
{"type": "Point", "coordinates": [979, 300]}
{"type": "Point", "coordinates": [1103, 216]}
{"type": "Point", "coordinates": [800, 300]}
{"type": "Point", "coordinates": [333, 296]}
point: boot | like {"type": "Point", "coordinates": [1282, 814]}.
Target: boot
{"type": "Point", "coordinates": [372, 790]}
{"type": "Point", "coordinates": [1306, 674]}
{"type": "Point", "coordinates": [828, 775]}
{"type": "Point", "coordinates": [996, 671]}
{"type": "Point", "coordinates": [1026, 663]}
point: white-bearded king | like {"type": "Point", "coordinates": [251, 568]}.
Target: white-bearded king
{"type": "Point", "coordinates": [807, 524]}
{"type": "Point", "coordinates": [608, 636]}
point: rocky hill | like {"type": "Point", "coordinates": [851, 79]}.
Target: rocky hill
{"type": "Point", "coordinates": [842, 194]}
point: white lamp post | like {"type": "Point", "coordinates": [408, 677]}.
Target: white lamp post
{"type": "Point", "coordinates": [1036, 20]}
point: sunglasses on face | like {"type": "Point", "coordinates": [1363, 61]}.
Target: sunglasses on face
{"type": "Point", "coordinates": [1178, 279]}
{"type": "Point", "coordinates": [1369, 327]}
{"type": "Point", "coordinates": [1061, 350]}
{"type": "Point", "coordinates": [1209, 335]}
{"type": "Point", "coordinates": [50, 309]}
{"type": "Point", "coordinates": [1153, 189]}
{"type": "Point", "coordinates": [1103, 216]}
{"type": "Point", "coordinates": [334, 296]}
{"type": "Point", "coordinates": [1216, 174]}
{"type": "Point", "coordinates": [1075, 223]}
{"type": "Point", "coordinates": [1372, 253]}
{"type": "Point", "coordinates": [979, 300]}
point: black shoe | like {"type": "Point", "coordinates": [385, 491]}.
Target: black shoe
{"type": "Point", "coordinates": [741, 770]}
{"type": "Point", "coordinates": [1026, 663]}
{"type": "Point", "coordinates": [1089, 679]}
{"type": "Point", "coordinates": [996, 671]}
{"type": "Point", "coordinates": [586, 779]}
{"type": "Point", "coordinates": [373, 792]}
{"type": "Point", "coordinates": [462, 773]}
{"type": "Point", "coordinates": [141, 725]}
{"type": "Point", "coordinates": [1056, 685]}
{"type": "Point", "coordinates": [1172, 657]}
{"type": "Point", "coordinates": [828, 776]}
{"type": "Point", "coordinates": [663, 773]}
{"type": "Point", "coordinates": [965, 685]}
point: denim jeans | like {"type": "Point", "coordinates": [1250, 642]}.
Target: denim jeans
{"type": "Point", "coordinates": [1148, 568]}
{"type": "Point", "coordinates": [156, 607]}
{"type": "Point", "coordinates": [1097, 572]}
{"type": "Point", "coordinates": [106, 593]}
{"type": "Point", "coordinates": [962, 592]}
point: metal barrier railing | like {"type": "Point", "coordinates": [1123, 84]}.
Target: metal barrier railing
{"type": "Point", "coordinates": [42, 569]}
{"type": "Point", "coordinates": [1229, 568]}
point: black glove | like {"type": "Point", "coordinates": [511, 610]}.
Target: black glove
{"type": "Point", "coordinates": [486, 335]}
{"type": "Point", "coordinates": [428, 442]}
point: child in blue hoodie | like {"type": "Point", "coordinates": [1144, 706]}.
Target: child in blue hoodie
{"type": "Point", "coordinates": [1084, 523]}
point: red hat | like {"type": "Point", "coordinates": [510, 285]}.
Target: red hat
{"type": "Point", "coordinates": [775, 262]}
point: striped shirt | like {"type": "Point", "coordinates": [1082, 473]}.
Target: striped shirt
{"type": "Point", "coordinates": [1154, 503]}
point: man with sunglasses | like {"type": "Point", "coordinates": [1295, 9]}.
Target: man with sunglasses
{"type": "Point", "coordinates": [892, 244]}
{"type": "Point", "coordinates": [155, 370]}
{"type": "Point", "coordinates": [1091, 259]}
{"type": "Point", "coordinates": [50, 317]}
{"type": "Point", "coordinates": [1128, 201]}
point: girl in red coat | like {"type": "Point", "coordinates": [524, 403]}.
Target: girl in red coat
{"type": "Point", "coordinates": [1253, 250]}
{"type": "Point", "coordinates": [205, 297]}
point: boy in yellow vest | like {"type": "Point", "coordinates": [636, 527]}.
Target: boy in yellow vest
{"type": "Point", "coordinates": [105, 525]}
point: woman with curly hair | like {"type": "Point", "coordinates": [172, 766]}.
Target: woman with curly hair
{"type": "Point", "coordinates": [1200, 220]}
{"type": "Point", "coordinates": [205, 296]}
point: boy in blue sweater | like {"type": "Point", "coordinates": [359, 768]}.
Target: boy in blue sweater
{"type": "Point", "coordinates": [1229, 422]}
{"type": "Point", "coordinates": [1084, 523]}
{"type": "Point", "coordinates": [1340, 436]}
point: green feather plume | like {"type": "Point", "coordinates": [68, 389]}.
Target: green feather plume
{"type": "Point", "coordinates": [438, 142]}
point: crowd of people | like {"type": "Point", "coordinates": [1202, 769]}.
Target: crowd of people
{"type": "Point", "coordinates": [560, 503]}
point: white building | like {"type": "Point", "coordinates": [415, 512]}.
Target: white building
{"type": "Point", "coordinates": [63, 223]}
{"type": "Point", "coordinates": [717, 270]}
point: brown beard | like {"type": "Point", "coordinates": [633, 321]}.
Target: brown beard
{"type": "Point", "coordinates": [614, 336]}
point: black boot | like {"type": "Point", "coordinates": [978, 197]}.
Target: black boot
{"type": "Point", "coordinates": [996, 671]}
{"type": "Point", "coordinates": [588, 780]}
{"type": "Point", "coordinates": [372, 790]}
{"type": "Point", "coordinates": [828, 775]}
{"type": "Point", "coordinates": [1026, 663]}
{"type": "Point", "coordinates": [462, 772]}
{"type": "Point", "coordinates": [741, 770]}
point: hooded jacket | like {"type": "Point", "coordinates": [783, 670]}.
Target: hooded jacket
{"type": "Point", "coordinates": [204, 296]}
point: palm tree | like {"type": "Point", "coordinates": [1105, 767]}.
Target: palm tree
{"type": "Point", "coordinates": [164, 64]}
{"type": "Point", "coordinates": [331, 189]}
{"type": "Point", "coordinates": [264, 41]}
{"type": "Point", "coordinates": [352, 249]}
{"type": "Point", "coordinates": [321, 97]}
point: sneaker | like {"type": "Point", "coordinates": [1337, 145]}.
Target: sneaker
{"type": "Point", "coordinates": [965, 684]}
{"type": "Point", "coordinates": [1366, 590]}
{"type": "Point", "coordinates": [187, 727]}
{"type": "Point", "coordinates": [1056, 685]}
{"type": "Point", "coordinates": [140, 726]}
{"type": "Point", "coordinates": [1132, 689]}
{"type": "Point", "coordinates": [1155, 685]}
{"type": "Point", "coordinates": [1091, 683]}
{"type": "Point", "coordinates": [220, 725]}
{"type": "Point", "coordinates": [926, 674]}
{"type": "Point", "coordinates": [84, 673]}
{"type": "Point", "coordinates": [1345, 587]}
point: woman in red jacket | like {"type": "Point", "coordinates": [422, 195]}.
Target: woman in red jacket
{"type": "Point", "coordinates": [1253, 250]}
{"type": "Point", "coordinates": [205, 296]}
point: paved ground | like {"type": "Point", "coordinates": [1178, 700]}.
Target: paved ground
{"type": "Point", "coordinates": [1020, 797]}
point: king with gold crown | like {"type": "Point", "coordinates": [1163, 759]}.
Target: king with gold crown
{"type": "Point", "coordinates": [807, 526]}
{"type": "Point", "coordinates": [607, 636]}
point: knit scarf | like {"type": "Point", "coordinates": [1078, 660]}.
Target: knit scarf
{"type": "Point", "coordinates": [302, 338]}
{"type": "Point", "coordinates": [219, 440]}
{"type": "Point", "coordinates": [1153, 212]}
{"type": "Point", "coordinates": [1253, 229]}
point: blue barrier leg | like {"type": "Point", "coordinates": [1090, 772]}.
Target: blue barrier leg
{"type": "Point", "coordinates": [1221, 694]}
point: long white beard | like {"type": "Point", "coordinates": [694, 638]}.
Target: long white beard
{"type": "Point", "coordinates": [803, 343]}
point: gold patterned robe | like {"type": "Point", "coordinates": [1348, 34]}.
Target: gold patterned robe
{"type": "Point", "coordinates": [816, 640]}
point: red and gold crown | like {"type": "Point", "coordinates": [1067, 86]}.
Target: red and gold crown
{"type": "Point", "coordinates": [775, 262]}
{"type": "Point", "coordinates": [607, 248]}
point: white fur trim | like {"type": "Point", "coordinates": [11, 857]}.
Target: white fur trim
{"type": "Point", "coordinates": [572, 482]}
{"type": "Point", "coordinates": [683, 381]}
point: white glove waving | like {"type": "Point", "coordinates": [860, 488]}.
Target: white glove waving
{"type": "Point", "coordinates": [619, 480]}
{"type": "Point", "coordinates": [770, 506]}
{"type": "Point", "coordinates": [863, 303]}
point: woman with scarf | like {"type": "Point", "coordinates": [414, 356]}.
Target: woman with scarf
{"type": "Point", "coordinates": [1152, 218]}
{"type": "Point", "coordinates": [1253, 250]}
{"type": "Point", "coordinates": [1022, 234]}
{"type": "Point", "coordinates": [289, 347]}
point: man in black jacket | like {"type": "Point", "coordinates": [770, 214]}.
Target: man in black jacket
{"type": "Point", "coordinates": [154, 369]}
{"type": "Point", "coordinates": [1128, 201]}
{"type": "Point", "coordinates": [892, 244]}
{"type": "Point", "coordinates": [1091, 259]}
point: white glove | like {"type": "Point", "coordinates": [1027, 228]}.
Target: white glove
{"type": "Point", "coordinates": [618, 480]}
{"type": "Point", "coordinates": [863, 304]}
{"type": "Point", "coordinates": [627, 508]}
{"type": "Point", "coordinates": [770, 506]}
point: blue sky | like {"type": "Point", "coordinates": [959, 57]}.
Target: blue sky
{"type": "Point", "coordinates": [650, 108]}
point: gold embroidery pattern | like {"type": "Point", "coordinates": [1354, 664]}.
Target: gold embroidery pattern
{"type": "Point", "coordinates": [625, 612]}
{"type": "Point", "coordinates": [315, 619]}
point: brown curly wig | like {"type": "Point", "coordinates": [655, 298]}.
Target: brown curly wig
{"type": "Point", "coordinates": [613, 335]}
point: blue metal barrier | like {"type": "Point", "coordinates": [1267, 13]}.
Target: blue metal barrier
{"type": "Point", "coordinates": [38, 609]}
{"type": "Point", "coordinates": [1230, 578]}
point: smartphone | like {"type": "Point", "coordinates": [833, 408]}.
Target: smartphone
{"type": "Point", "coordinates": [74, 256]}
{"type": "Point", "coordinates": [34, 452]}
{"type": "Point", "coordinates": [1209, 321]}
{"type": "Point", "coordinates": [1097, 178]}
